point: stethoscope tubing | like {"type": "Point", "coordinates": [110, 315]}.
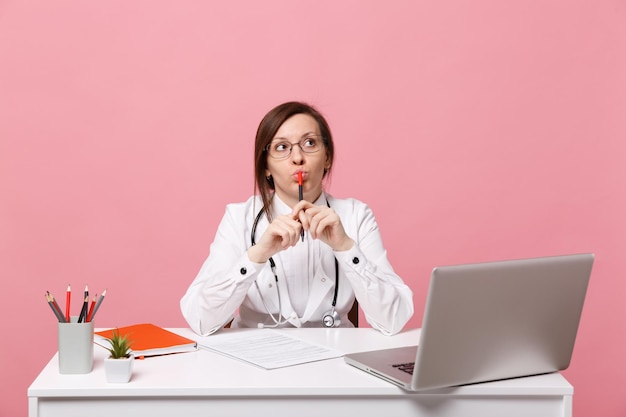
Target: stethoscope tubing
{"type": "Point", "coordinates": [280, 321]}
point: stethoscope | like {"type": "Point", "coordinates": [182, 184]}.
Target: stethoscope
{"type": "Point", "coordinates": [329, 319]}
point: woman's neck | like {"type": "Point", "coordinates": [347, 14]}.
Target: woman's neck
{"type": "Point", "coordinates": [291, 201]}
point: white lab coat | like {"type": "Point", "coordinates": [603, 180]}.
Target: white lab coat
{"type": "Point", "coordinates": [225, 282]}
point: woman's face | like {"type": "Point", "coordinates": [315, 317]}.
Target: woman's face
{"type": "Point", "coordinates": [302, 129]}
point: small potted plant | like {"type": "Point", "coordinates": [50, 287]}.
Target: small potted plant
{"type": "Point", "coordinates": [118, 367]}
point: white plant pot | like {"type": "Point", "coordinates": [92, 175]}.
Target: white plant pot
{"type": "Point", "coordinates": [118, 370]}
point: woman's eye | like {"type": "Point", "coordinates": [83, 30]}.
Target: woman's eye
{"type": "Point", "coordinates": [281, 147]}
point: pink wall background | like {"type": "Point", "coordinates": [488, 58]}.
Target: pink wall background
{"type": "Point", "coordinates": [477, 130]}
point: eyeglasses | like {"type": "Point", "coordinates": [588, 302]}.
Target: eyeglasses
{"type": "Point", "coordinates": [282, 149]}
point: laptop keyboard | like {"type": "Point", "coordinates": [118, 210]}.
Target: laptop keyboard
{"type": "Point", "coordinates": [406, 367]}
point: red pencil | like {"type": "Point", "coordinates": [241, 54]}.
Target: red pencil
{"type": "Point", "coordinates": [93, 304]}
{"type": "Point", "coordinates": [95, 310]}
{"type": "Point", "coordinates": [68, 297]}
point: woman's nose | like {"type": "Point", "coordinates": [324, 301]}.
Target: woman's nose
{"type": "Point", "coordinates": [297, 156]}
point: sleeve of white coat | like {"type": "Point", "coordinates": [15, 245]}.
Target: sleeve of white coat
{"type": "Point", "coordinates": [224, 279]}
{"type": "Point", "coordinates": [384, 298]}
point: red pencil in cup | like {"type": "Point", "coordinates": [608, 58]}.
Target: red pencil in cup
{"type": "Point", "coordinates": [93, 304]}
{"type": "Point", "coordinates": [95, 310]}
{"type": "Point", "coordinates": [68, 297]}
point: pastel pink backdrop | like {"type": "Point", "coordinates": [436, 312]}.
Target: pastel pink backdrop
{"type": "Point", "coordinates": [477, 130]}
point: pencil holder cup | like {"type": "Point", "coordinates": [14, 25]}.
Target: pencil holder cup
{"type": "Point", "coordinates": [75, 347]}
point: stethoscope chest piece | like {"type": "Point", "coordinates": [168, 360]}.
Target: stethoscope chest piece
{"type": "Point", "coordinates": [331, 319]}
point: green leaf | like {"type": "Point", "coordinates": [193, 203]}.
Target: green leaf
{"type": "Point", "coordinates": [120, 345]}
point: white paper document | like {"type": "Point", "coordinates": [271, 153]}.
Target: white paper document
{"type": "Point", "coordinates": [267, 348]}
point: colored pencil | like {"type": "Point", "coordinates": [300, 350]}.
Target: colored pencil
{"type": "Point", "coordinates": [56, 312]}
{"type": "Point", "coordinates": [57, 308]}
{"type": "Point", "coordinates": [95, 310]}
{"type": "Point", "coordinates": [83, 311]}
{"type": "Point", "coordinates": [68, 297]}
{"type": "Point", "coordinates": [93, 304]}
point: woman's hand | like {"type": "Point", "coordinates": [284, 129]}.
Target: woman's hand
{"type": "Point", "coordinates": [324, 224]}
{"type": "Point", "coordinates": [282, 233]}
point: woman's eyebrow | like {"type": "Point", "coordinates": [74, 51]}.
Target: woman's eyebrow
{"type": "Point", "coordinates": [304, 135]}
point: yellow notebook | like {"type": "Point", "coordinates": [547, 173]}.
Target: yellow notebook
{"type": "Point", "coordinates": [149, 340]}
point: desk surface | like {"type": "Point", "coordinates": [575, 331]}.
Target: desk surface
{"type": "Point", "coordinates": [207, 375]}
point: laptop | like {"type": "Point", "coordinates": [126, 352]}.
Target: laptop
{"type": "Point", "coordinates": [490, 321]}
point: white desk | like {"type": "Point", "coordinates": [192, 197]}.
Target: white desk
{"type": "Point", "coordinates": [208, 384]}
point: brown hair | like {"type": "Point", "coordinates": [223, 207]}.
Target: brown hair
{"type": "Point", "coordinates": [265, 133]}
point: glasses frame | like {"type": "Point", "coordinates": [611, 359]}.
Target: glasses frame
{"type": "Point", "coordinates": [292, 144]}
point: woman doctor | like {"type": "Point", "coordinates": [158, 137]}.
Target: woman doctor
{"type": "Point", "coordinates": [295, 256]}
